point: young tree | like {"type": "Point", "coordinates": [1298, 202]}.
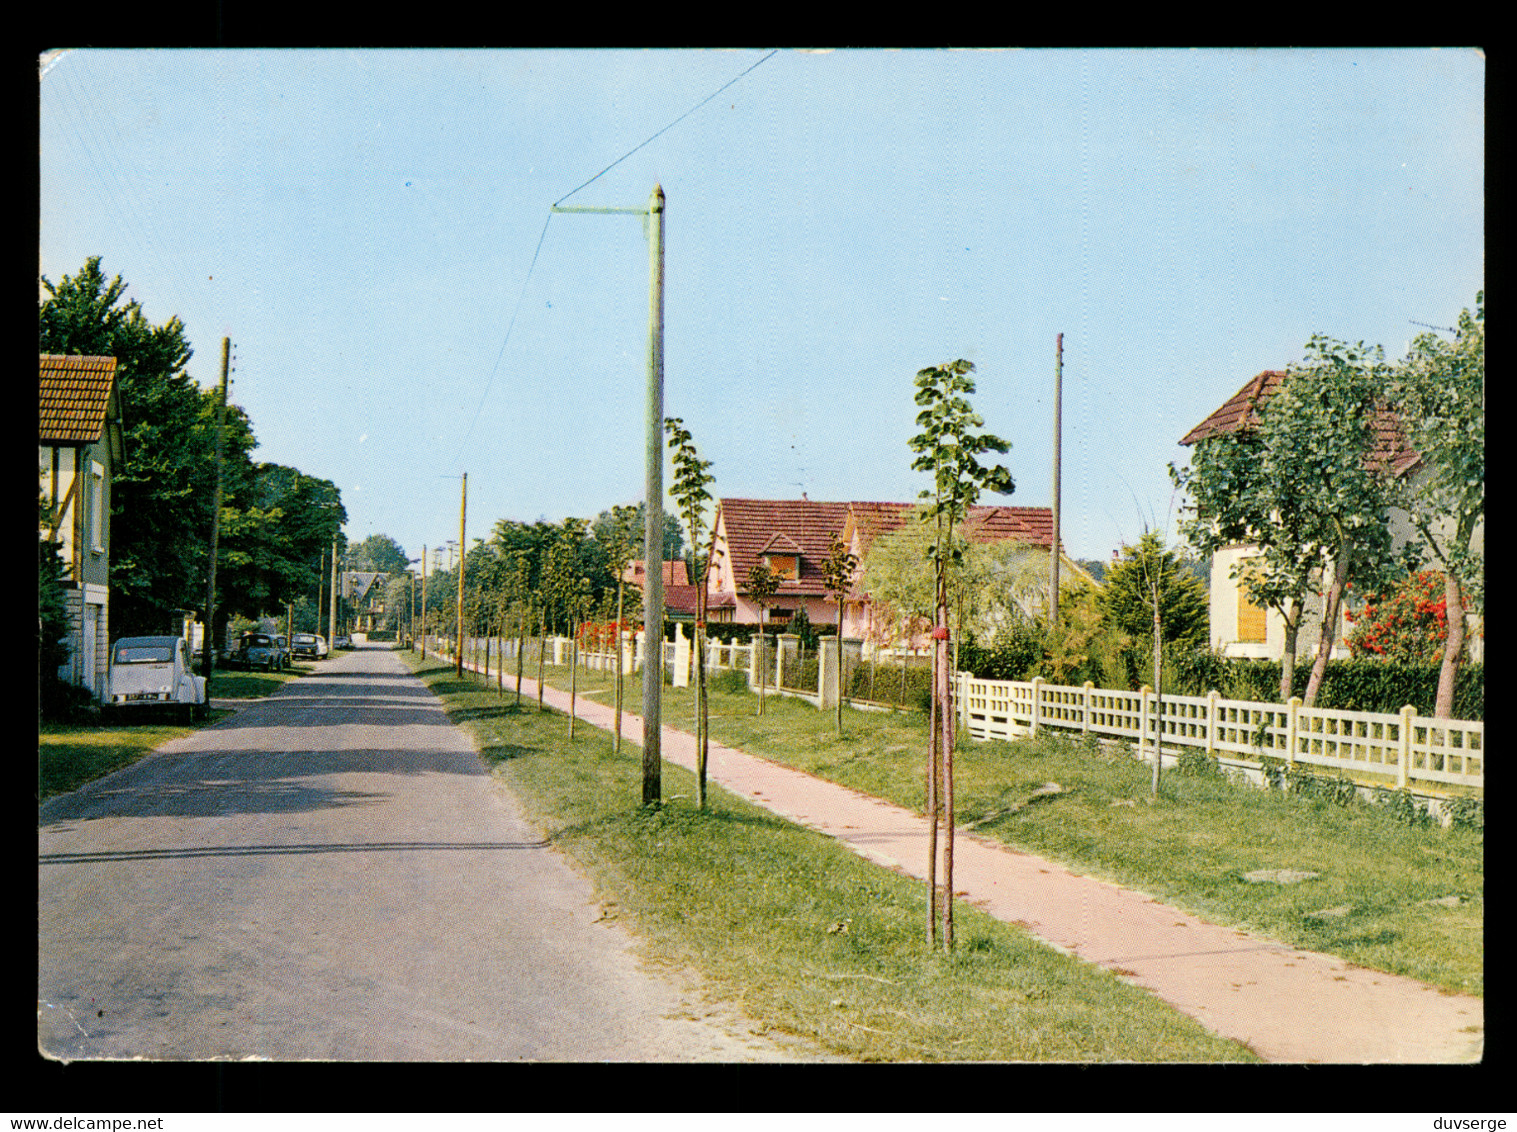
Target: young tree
{"type": "Point", "coordinates": [837, 577]}
{"type": "Point", "coordinates": [762, 586]}
{"type": "Point", "coordinates": [949, 448]}
{"type": "Point", "coordinates": [618, 531]}
{"type": "Point", "coordinates": [1439, 394]}
{"type": "Point", "coordinates": [691, 481]}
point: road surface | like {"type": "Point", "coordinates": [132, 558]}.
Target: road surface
{"type": "Point", "coordinates": [331, 874]}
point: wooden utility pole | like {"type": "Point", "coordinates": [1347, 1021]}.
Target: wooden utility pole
{"type": "Point", "coordinates": [208, 643]}
{"type": "Point", "coordinates": [1053, 554]}
{"type": "Point", "coordinates": [422, 628]}
{"type": "Point", "coordinates": [653, 530]}
{"type": "Point", "coordinates": [463, 502]}
{"type": "Point", "coordinates": [332, 612]}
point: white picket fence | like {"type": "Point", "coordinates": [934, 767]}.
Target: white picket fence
{"type": "Point", "coordinates": [1416, 751]}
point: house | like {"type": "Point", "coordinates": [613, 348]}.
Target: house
{"type": "Point", "coordinates": [793, 538]}
{"type": "Point", "coordinates": [1238, 626]}
{"type": "Point", "coordinates": [1029, 527]}
{"type": "Point", "coordinates": [80, 447]}
{"type": "Point", "coordinates": [679, 594]}
{"type": "Point", "coordinates": [364, 592]}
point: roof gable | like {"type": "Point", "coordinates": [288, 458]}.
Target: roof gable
{"type": "Point", "coordinates": [76, 398]}
{"type": "Point", "coordinates": [803, 527]}
{"type": "Point", "coordinates": [1389, 450]}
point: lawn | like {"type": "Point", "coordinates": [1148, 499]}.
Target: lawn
{"type": "Point", "coordinates": [808, 939]}
{"type": "Point", "coordinates": [1391, 896]}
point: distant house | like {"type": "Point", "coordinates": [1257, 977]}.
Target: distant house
{"type": "Point", "coordinates": [679, 594]}
{"type": "Point", "coordinates": [79, 449]}
{"type": "Point", "coordinates": [1238, 626]}
{"type": "Point", "coordinates": [793, 538]}
{"type": "Point", "coordinates": [1029, 527]}
{"type": "Point", "coordinates": [364, 591]}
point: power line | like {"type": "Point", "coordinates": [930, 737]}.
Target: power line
{"type": "Point", "coordinates": [496, 368]}
{"type": "Point", "coordinates": [667, 128]}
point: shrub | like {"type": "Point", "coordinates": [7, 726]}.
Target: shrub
{"type": "Point", "coordinates": [1465, 812]}
{"type": "Point", "coordinates": [1194, 763]}
{"type": "Point", "coordinates": [1403, 806]}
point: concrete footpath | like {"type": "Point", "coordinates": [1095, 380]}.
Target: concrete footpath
{"type": "Point", "coordinates": [1288, 1005]}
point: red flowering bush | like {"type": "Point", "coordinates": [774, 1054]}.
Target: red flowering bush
{"type": "Point", "coordinates": [1407, 624]}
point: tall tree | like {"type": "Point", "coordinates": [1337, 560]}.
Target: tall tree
{"type": "Point", "coordinates": [948, 448]}
{"type": "Point", "coordinates": [1439, 394]}
{"type": "Point", "coordinates": [378, 554]}
{"type": "Point", "coordinates": [618, 531]}
{"type": "Point", "coordinates": [1319, 433]}
{"type": "Point", "coordinates": [692, 478]}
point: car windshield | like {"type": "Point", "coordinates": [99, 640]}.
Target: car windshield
{"type": "Point", "coordinates": [304, 639]}
{"type": "Point", "coordinates": [144, 654]}
{"type": "Point", "coordinates": [257, 642]}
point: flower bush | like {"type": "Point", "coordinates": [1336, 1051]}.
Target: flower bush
{"type": "Point", "coordinates": [1407, 624]}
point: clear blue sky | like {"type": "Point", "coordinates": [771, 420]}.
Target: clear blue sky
{"type": "Point", "coordinates": [361, 224]}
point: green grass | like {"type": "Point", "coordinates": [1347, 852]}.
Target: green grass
{"type": "Point", "coordinates": [807, 938]}
{"type": "Point", "coordinates": [1189, 848]}
{"type": "Point", "coordinates": [71, 754]}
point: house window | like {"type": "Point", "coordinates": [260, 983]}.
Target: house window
{"type": "Point", "coordinates": [97, 508]}
{"type": "Point", "coordinates": [1251, 624]}
{"type": "Point", "coordinates": [785, 567]}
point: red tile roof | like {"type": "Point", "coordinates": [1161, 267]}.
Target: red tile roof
{"type": "Point", "coordinates": [75, 397]}
{"type": "Point", "coordinates": [788, 526]}
{"type": "Point", "coordinates": [1240, 412]}
{"type": "Point", "coordinates": [986, 523]}
{"type": "Point", "coordinates": [675, 573]}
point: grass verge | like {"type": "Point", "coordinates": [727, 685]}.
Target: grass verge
{"type": "Point", "coordinates": [73, 753]}
{"type": "Point", "coordinates": [1394, 897]}
{"type": "Point", "coordinates": [806, 938]}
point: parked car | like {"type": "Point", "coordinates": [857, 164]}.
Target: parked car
{"type": "Point", "coordinates": [154, 673]}
{"type": "Point", "coordinates": [260, 650]}
{"type": "Point", "coordinates": [342, 642]}
{"type": "Point", "coordinates": [309, 645]}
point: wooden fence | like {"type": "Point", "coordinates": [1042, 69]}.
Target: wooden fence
{"type": "Point", "coordinates": [1414, 750]}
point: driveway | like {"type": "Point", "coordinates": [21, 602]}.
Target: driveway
{"type": "Point", "coordinates": [331, 874]}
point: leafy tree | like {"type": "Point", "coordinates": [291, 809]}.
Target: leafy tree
{"type": "Point", "coordinates": [378, 554]}
{"type": "Point", "coordinates": [949, 448]}
{"type": "Point", "coordinates": [1318, 433]}
{"type": "Point", "coordinates": [161, 497]}
{"type": "Point", "coordinates": [692, 479]}
{"type": "Point", "coordinates": [1439, 394]}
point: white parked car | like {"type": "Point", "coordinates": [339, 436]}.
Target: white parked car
{"type": "Point", "coordinates": [155, 673]}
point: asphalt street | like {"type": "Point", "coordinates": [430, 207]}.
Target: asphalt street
{"type": "Point", "coordinates": [331, 874]}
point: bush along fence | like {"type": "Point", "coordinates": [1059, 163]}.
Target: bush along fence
{"type": "Point", "coordinates": [1415, 752]}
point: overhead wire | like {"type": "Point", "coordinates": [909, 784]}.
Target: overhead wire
{"type": "Point", "coordinates": [490, 382]}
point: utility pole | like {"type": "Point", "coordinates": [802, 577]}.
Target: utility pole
{"type": "Point", "coordinates": [458, 657]}
{"type": "Point", "coordinates": [653, 529]}
{"type": "Point", "coordinates": [208, 643]}
{"type": "Point", "coordinates": [332, 615]}
{"type": "Point", "coordinates": [422, 629]}
{"type": "Point", "coordinates": [1053, 554]}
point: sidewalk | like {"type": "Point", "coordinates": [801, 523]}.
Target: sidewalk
{"type": "Point", "coordinates": [1288, 1005]}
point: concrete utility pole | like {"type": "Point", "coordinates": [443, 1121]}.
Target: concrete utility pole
{"type": "Point", "coordinates": [1053, 555]}
{"type": "Point", "coordinates": [653, 529]}
{"type": "Point", "coordinates": [463, 501]}
{"type": "Point", "coordinates": [208, 643]}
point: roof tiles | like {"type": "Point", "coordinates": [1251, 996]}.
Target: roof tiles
{"type": "Point", "coordinates": [74, 397]}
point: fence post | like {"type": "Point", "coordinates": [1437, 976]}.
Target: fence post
{"type": "Point", "coordinates": [1292, 730]}
{"type": "Point", "coordinates": [827, 682]}
{"type": "Point", "coordinates": [1404, 770]}
{"type": "Point", "coordinates": [681, 656]}
{"type": "Point", "coordinates": [1211, 722]}
{"type": "Point", "coordinates": [1037, 698]}
{"type": "Point", "coordinates": [1143, 694]}
{"type": "Point", "coordinates": [1085, 710]}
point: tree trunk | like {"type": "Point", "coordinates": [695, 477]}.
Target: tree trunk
{"type": "Point", "coordinates": [1453, 647]}
{"type": "Point", "coordinates": [1159, 701]}
{"type": "Point", "coordinates": [1291, 613]}
{"type": "Point", "coordinates": [944, 696]}
{"type": "Point", "coordinates": [521, 647]}
{"type": "Point", "coordinates": [616, 741]}
{"type": "Point", "coordinates": [1330, 610]}
{"type": "Point", "coordinates": [932, 820]}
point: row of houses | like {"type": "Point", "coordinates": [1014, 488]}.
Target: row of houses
{"type": "Point", "coordinates": [80, 446]}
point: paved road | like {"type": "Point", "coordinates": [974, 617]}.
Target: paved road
{"type": "Point", "coordinates": [331, 874]}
